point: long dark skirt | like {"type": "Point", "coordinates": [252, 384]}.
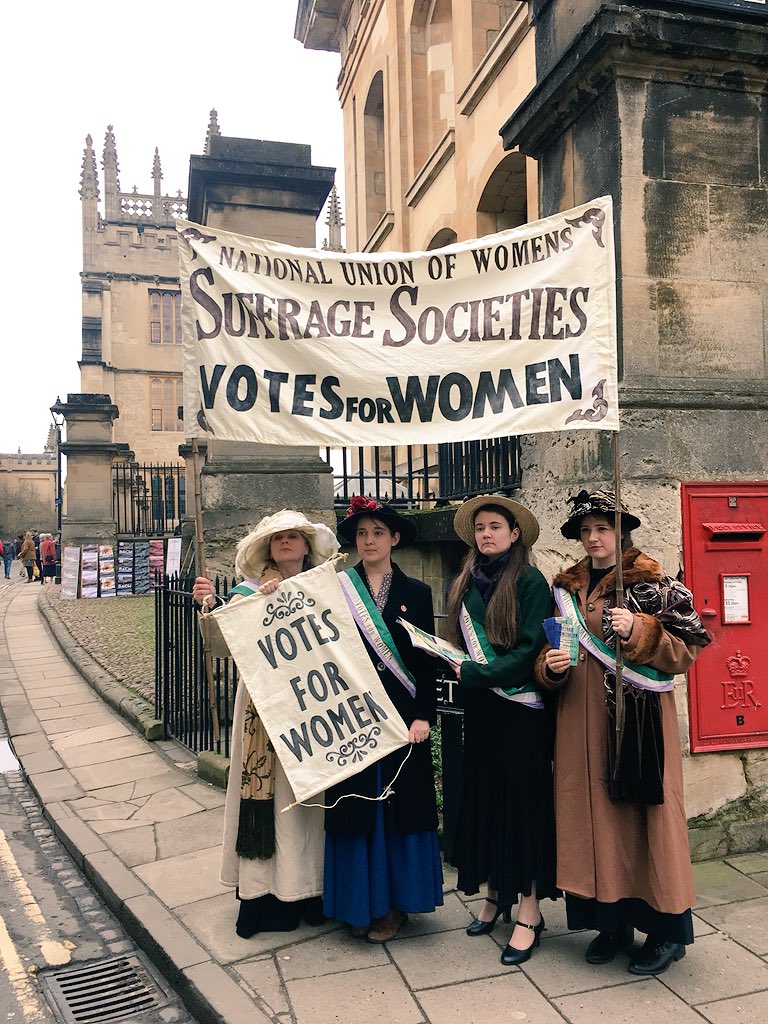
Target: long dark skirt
{"type": "Point", "coordinates": [609, 917]}
{"type": "Point", "coordinates": [506, 827]}
{"type": "Point", "coordinates": [269, 914]}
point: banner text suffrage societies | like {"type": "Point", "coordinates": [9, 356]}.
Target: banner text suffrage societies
{"type": "Point", "coordinates": [513, 333]}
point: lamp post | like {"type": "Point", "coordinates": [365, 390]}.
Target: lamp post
{"type": "Point", "coordinates": [59, 501]}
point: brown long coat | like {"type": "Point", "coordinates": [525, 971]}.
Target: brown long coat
{"type": "Point", "coordinates": [27, 551]}
{"type": "Point", "coordinates": [609, 851]}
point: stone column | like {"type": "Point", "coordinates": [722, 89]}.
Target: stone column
{"type": "Point", "coordinates": [667, 114]}
{"type": "Point", "coordinates": [89, 449]}
{"type": "Point", "coordinates": [267, 190]}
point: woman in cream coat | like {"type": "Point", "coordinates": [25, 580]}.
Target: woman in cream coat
{"type": "Point", "coordinates": [275, 860]}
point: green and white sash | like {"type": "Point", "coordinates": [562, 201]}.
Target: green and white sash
{"type": "Point", "coordinates": [481, 652]}
{"type": "Point", "coordinates": [373, 627]}
{"type": "Point", "coordinates": [642, 676]}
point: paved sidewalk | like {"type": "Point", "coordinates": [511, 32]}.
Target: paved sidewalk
{"type": "Point", "coordinates": [147, 833]}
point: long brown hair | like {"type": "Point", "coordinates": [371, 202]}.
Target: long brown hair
{"type": "Point", "coordinates": [501, 612]}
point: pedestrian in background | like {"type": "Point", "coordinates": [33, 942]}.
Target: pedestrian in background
{"type": "Point", "coordinates": [622, 837]}
{"type": "Point", "coordinates": [37, 572]}
{"type": "Point", "coordinates": [28, 555]}
{"type": "Point", "coordinates": [505, 836]}
{"type": "Point", "coordinates": [47, 557]}
{"type": "Point", "coordinates": [9, 553]}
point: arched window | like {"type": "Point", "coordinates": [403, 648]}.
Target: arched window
{"type": "Point", "coordinates": [374, 149]}
{"type": "Point", "coordinates": [488, 19]}
{"type": "Point", "coordinates": [431, 76]}
{"type": "Point", "coordinates": [504, 202]}
{"type": "Point", "coordinates": [445, 236]}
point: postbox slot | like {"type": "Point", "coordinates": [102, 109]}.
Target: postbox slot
{"type": "Point", "coordinates": [730, 532]}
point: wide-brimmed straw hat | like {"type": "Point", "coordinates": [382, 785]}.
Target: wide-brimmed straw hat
{"type": "Point", "coordinates": [360, 507]}
{"type": "Point", "coordinates": [464, 520]}
{"type": "Point", "coordinates": [600, 502]}
{"type": "Point", "coordinates": [253, 555]}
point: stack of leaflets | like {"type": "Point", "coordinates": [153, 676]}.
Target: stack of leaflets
{"type": "Point", "coordinates": [156, 560]}
{"type": "Point", "coordinates": [107, 571]}
{"type": "Point", "coordinates": [124, 569]}
{"type": "Point", "coordinates": [563, 634]}
{"type": "Point", "coordinates": [70, 572]}
{"type": "Point", "coordinates": [141, 567]}
{"type": "Point", "coordinates": [90, 571]}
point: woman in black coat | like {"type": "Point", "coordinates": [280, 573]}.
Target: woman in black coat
{"type": "Point", "coordinates": [382, 858]}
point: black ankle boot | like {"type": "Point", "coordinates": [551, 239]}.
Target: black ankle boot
{"type": "Point", "coordinates": [606, 945]}
{"type": "Point", "coordinates": [656, 956]}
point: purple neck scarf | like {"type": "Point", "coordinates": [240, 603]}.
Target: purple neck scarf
{"type": "Point", "coordinates": [486, 574]}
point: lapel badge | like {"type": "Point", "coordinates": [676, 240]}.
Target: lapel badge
{"type": "Point", "coordinates": [403, 608]}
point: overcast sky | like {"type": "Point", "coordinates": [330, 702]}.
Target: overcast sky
{"type": "Point", "coordinates": [153, 70]}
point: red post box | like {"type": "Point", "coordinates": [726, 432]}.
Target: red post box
{"type": "Point", "coordinates": [725, 548]}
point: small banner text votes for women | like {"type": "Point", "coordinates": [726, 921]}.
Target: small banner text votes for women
{"type": "Point", "coordinates": [304, 665]}
{"type": "Point", "coordinates": [512, 333]}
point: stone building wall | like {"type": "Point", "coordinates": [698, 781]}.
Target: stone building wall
{"type": "Point", "coordinates": [643, 105]}
{"type": "Point", "coordinates": [27, 493]}
{"type": "Point", "coordinates": [129, 252]}
{"type": "Point", "coordinates": [421, 89]}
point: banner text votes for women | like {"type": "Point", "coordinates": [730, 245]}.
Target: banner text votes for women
{"type": "Point", "coordinates": [509, 334]}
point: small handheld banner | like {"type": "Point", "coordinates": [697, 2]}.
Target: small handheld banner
{"type": "Point", "coordinates": [513, 333]}
{"type": "Point", "coordinates": [308, 673]}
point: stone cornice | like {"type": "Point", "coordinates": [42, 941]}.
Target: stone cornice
{"type": "Point", "coordinates": [435, 162]}
{"type": "Point", "coordinates": [690, 393]}
{"type": "Point", "coordinates": [497, 56]}
{"type": "Point", "coordinates": [380, 232]}
{"type": "Point", "coordinates": [103, 277]}
{"type": "Point", "coordinates": [588, 63]}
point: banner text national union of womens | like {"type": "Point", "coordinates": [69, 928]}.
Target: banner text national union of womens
{"type": "Point", "coordinates": [513, 333]}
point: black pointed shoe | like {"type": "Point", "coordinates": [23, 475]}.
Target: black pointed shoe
{"type": "Point", "coordinates": [479, 927]}
{"type": "Point", "coordinates": [656, 956]}
{"type": "Point", "coordinates": [511, 957]}
{"type": "Point", "coordinates": [604, 947]}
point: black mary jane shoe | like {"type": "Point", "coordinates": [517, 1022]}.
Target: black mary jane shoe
{"type": "Point", "coordinates": [604, 947]}
{"type": "Point", "coordinates": [479, 927]}
{"type": "Point", "coordinates": [656, 956]}
{"type": "Point", "coordinates": [511, 957]}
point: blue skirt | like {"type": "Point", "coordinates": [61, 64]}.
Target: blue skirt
{"type": "Point", "coordinates": [368, 875]}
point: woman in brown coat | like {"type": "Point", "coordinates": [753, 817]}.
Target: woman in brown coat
{"type": "Point", "coordinates": [622, 859]}
{"type": "Point", "coordinates": [27, 555]}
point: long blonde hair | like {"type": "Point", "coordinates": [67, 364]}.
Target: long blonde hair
{"type": "Point", "coordinates": [501, 612]}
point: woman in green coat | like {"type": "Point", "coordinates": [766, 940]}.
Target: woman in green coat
{"type": "Point", "coordinates": [505, 837]}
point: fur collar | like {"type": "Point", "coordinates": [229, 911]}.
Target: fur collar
{"type": "Point", "coordinates": [638, 568]}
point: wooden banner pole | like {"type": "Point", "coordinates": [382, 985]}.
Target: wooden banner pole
{"type": "Point", "coordinates": [619, 723]}
{"type": "Point", "coordinates": [201, 571]}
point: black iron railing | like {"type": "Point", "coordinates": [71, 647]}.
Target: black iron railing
{"type": "Point", "coordinates": [417, 475]}
{"type": "Point", "coordinates": [148, 500]}
{"type": "Point", "coordinates": [182, 694]}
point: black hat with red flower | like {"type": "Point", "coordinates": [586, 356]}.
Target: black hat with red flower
{"type": "Point", "coordinates": [361, 507]}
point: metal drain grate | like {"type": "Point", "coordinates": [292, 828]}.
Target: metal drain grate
{"type": "Point", "coordinates": [105, 991]}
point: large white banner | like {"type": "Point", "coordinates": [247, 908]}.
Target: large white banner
{"type": "Point", "coordinates": [514, 333]}
{"type": "Point", "coordinates": [304, 664]}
